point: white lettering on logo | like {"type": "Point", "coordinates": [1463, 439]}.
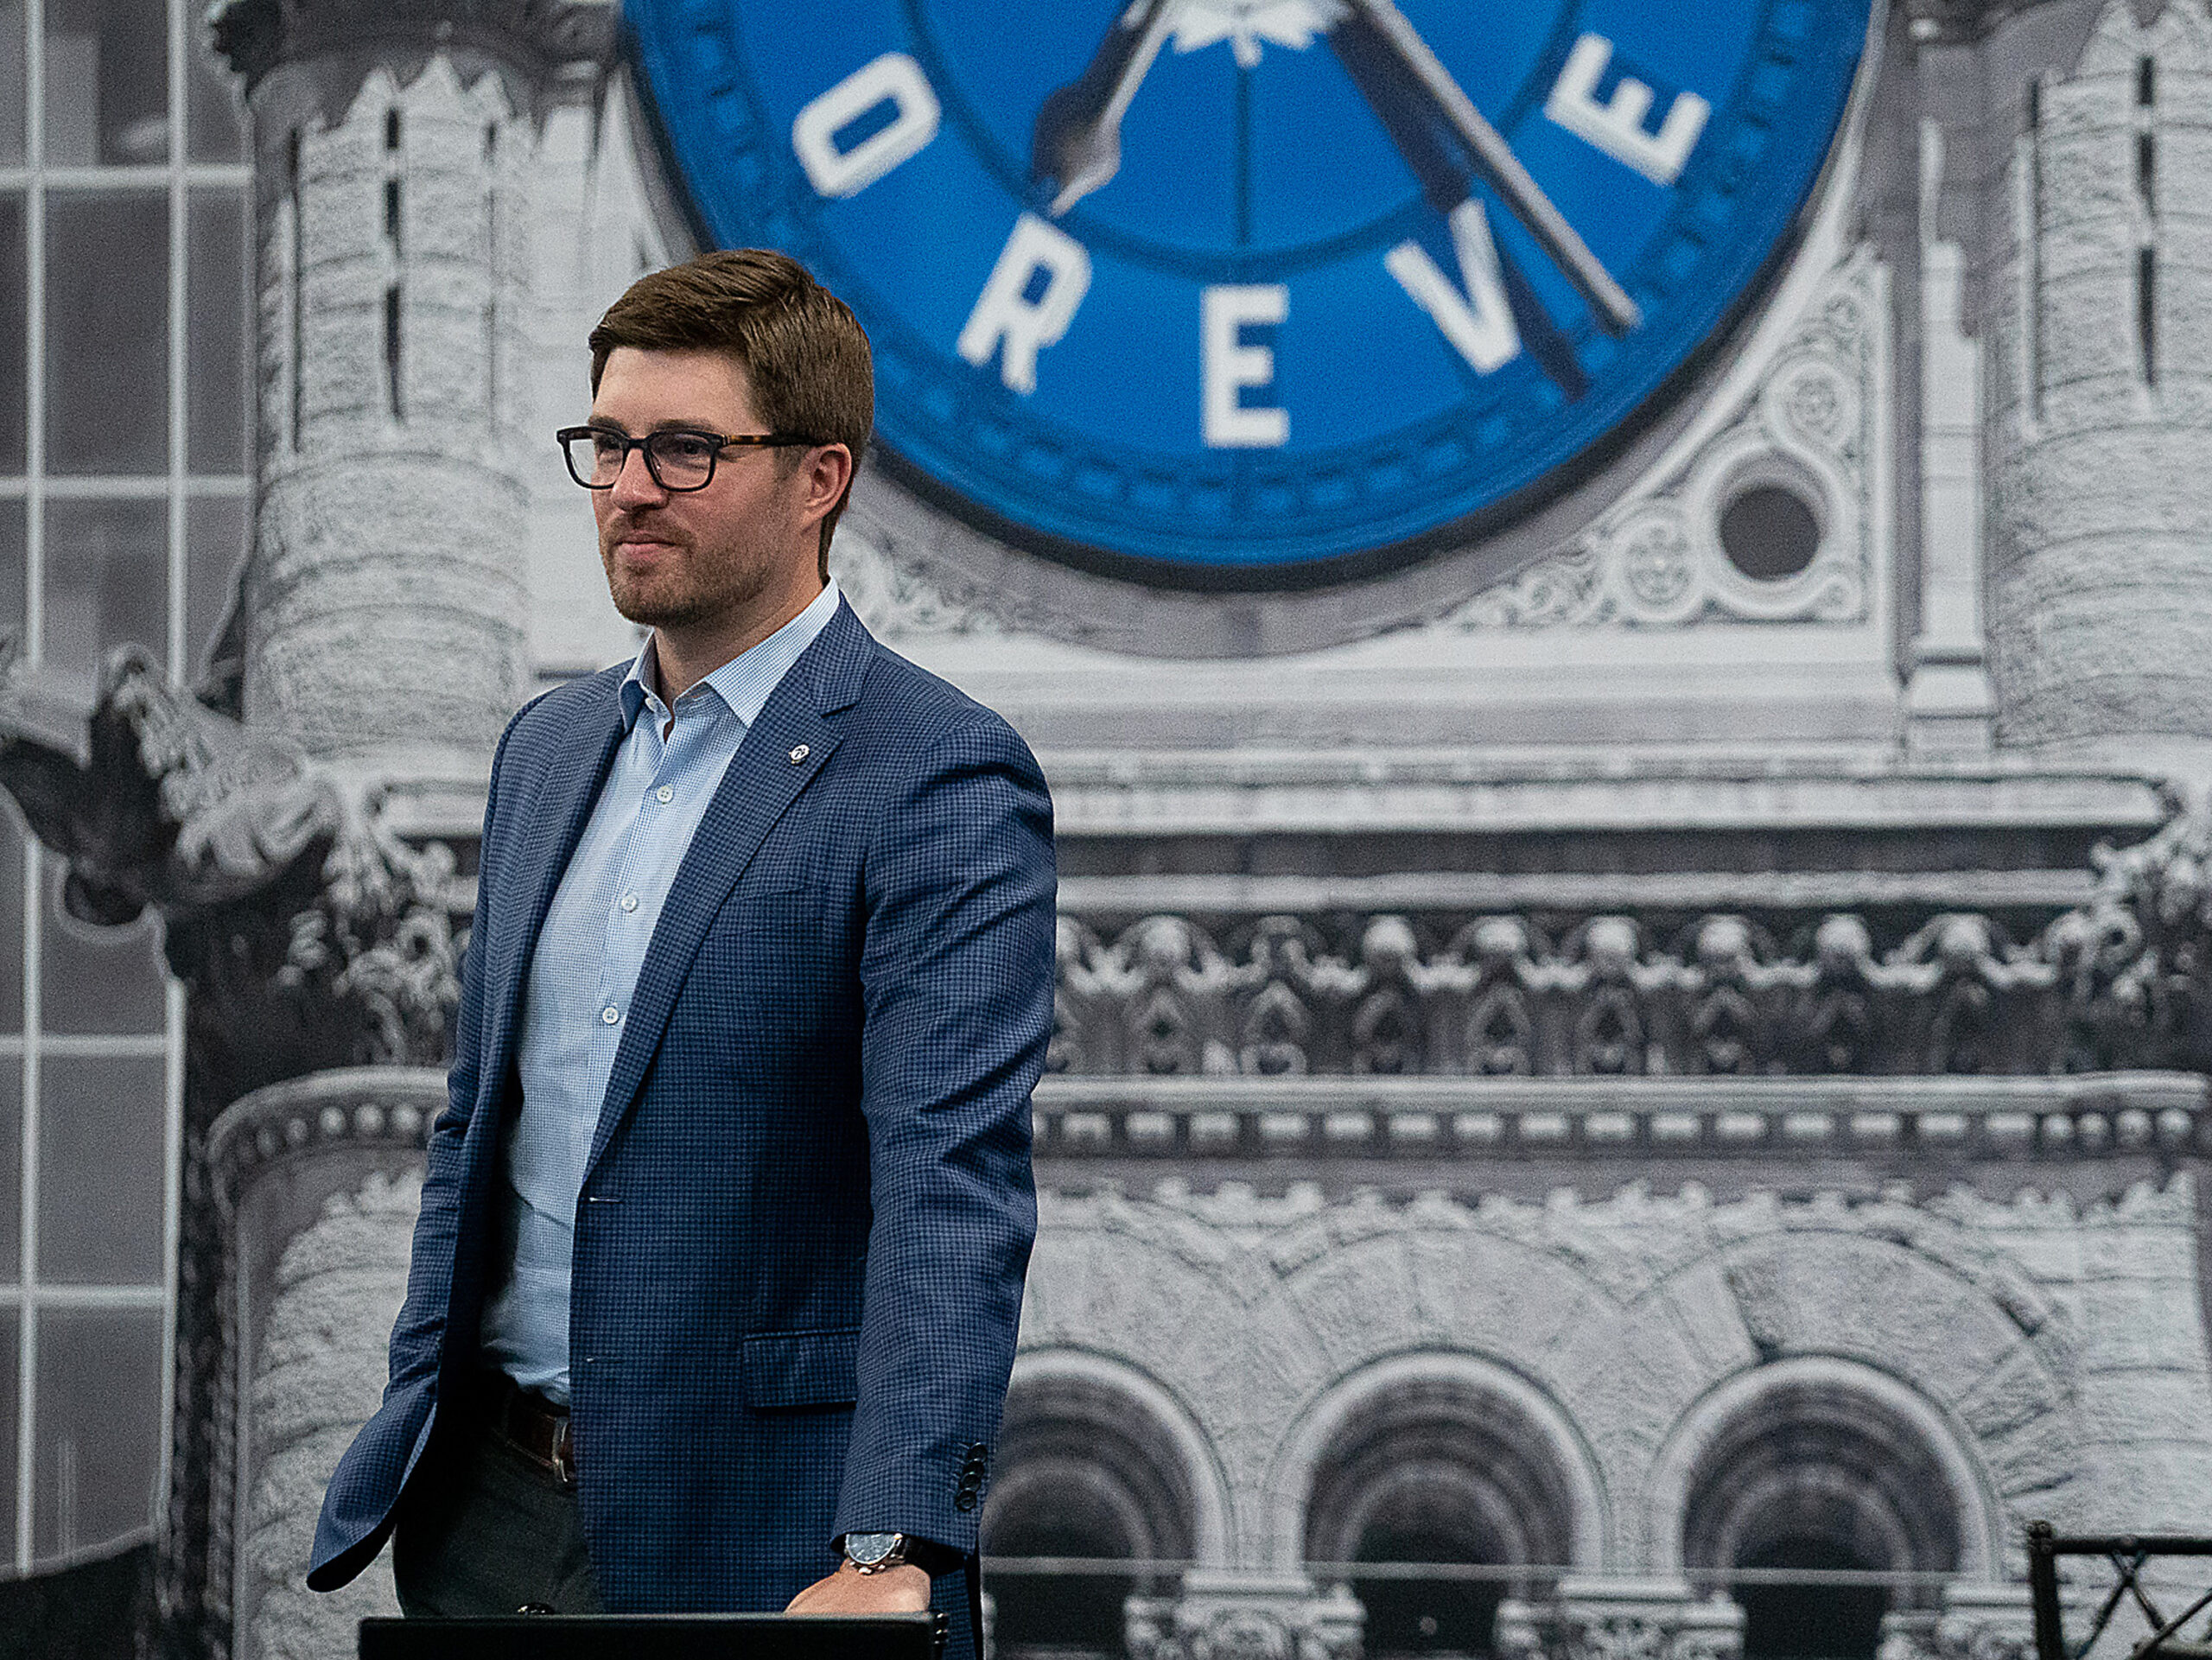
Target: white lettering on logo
{"type": "Point", "coordinates": [1618, 125]}
{"type": "Point", "coordinates": [1231, 365]}
{"type": "Point", "coordinates": [1006, 311]}
{"type": "Point", "coordinates": [1479, 324]}
{"type": "Point", "coordinates": [894, 79]}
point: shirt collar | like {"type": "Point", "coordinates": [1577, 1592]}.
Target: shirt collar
{"type": "Point", "coordinates": [744, 683]}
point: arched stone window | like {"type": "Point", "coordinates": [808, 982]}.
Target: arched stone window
{"type": "Point", "coordinates": [1089, 1464]}
{"type": "Point", "coordinates": [1813, 1473]}
{"type": "Point", "coordinates": [1438, 1470]}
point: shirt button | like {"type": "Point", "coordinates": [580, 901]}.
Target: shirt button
{"type": "Point", "coordinates": [665, 793]}
{"type": "Point", "coordinates": [629, 901]}
{"type": "Point", "coordinates": [610, 1014]}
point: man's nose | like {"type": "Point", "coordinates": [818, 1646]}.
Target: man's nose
{"type": "Point", "coordinates": [635, 486]}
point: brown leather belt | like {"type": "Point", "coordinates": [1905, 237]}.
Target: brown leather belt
{"type": "Point", "coordinates": [532, 1425]}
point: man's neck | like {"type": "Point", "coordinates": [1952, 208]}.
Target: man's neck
{"type": "Point", "coordinates": [683, 657]}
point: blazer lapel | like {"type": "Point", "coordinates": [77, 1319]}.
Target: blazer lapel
{"type": "Point", "coordinates": [551, 825]}
{"type": "Point", "coordinates": [780, 756]}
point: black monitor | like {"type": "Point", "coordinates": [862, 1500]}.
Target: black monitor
{"type": "Point", "coordinates": [657, 1637]}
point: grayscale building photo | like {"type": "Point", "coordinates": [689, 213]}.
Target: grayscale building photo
{"type": "Point", "coordinates": [1617, 604]}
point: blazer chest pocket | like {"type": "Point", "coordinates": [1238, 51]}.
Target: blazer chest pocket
{"type": "Point", "coordinates": [801, 1369]}
{"type": "Point", "coordinates": [784, 947]}
{"type": "Point", "coordinates": [800, 924]}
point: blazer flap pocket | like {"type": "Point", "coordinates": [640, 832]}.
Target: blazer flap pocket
{"type": "Point", "coordinates": [802, 1369]}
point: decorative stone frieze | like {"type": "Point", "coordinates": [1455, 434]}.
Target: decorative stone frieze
{"type": "Point", "coordinates": [1620, 1620]}
{"type": "Point", "coordinates": [883, 565]}
{"type": "Point", "coordinates": [2118, 983]}
{"type": "Point", "coordinates": [1229, 1616]}
{"type": "Point", "coordinates": [1809, 426]}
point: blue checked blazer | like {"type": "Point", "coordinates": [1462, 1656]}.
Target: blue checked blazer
{"type": "Point", "coordinates": [800, 1243]}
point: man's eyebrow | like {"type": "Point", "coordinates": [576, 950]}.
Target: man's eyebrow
{"type": "Point", "coordinates": [673, 425]}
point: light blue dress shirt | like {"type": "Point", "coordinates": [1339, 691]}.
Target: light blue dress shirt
{"type": "Point", "coordinates": [586, 966]}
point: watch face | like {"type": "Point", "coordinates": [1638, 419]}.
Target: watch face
{"type": "Point", "coordinates": [1257, 293]}
{"type": "Point", "coordinates": [867, 1549]}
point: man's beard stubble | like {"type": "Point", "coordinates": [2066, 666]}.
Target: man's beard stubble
{"type": "Point", "coordinates": [682, 605]}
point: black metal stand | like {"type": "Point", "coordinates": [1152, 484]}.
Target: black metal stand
{"type": "Point", "coordinates": [2128, 1555]}
{"type": "Point", "coordinates": [660, 1636]}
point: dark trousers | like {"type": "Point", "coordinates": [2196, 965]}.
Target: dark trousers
{"type": "Point", "coordinates": [492, 1530]}
{"type": "Point", "coordinates": [493, 1533]}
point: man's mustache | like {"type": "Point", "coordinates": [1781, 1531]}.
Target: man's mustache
{"type": "Point", "coordinates": [626, 529]}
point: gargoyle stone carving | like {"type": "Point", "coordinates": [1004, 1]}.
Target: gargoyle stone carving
{"type": "Point", "coordinates": [152, 797]}
{"type": "Point", "coordinates": [309, 934]}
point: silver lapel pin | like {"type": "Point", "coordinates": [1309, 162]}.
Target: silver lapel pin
{"type": "Point", "coordinates": [799, 754]}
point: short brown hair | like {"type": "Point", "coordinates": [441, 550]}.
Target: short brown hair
{"type": "Point", "coordinates": [804, 353]}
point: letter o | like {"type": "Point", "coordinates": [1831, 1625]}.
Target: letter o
{"type": "Point", "coordinates": [894, 79]}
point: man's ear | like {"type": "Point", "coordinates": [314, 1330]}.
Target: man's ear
{"type": "Point", "coordinates": [829, 470]}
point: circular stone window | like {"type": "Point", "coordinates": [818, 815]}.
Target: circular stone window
{"type": "Point", "coordinates": [1770, 532]}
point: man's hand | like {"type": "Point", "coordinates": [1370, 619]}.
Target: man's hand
{"type": "Point", "coordinates": [903, 1589]}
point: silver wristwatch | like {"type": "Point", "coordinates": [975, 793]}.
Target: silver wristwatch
{"type": "Point", "coordinates": [871, 1553]}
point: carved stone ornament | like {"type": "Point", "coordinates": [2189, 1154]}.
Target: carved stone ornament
{"type": "Point", "coordinates": [2125, 981]}
{"type": "Point", "coordinates": [151, 797]}
{"type": "Point", "coordinates": [1631, 1621]}
{"type": "Point", "coordinates": [1654, 558]}
{"type": "Point", "coordinates": [1977, 1622]}
{"type": "Point", "coordinates": [255, 36]}
{"type": "Point", "coordinates": [310, 933]}
{"type": "Point", "coordinates": [884, 566]}
{"type": "Point", "coordinates": [1218, 1618]}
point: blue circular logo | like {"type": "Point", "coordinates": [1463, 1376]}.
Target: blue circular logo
{"type": "Point", "coordinates": [1256, 293]}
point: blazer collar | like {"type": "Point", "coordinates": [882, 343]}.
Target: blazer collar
{"type": "Point", "coordinates": [837, 661]}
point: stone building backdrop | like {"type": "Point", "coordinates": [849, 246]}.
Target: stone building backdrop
{"type": "Point", "coordinates": [1682, 1071]}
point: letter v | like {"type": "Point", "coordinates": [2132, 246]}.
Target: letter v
{"type": "Point", "coordinates": [1479, 323]}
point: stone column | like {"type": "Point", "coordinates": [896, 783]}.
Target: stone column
{"type": "Point", "coordinates": [318, 1180]}
{"type": "Point", "coordinates": [383, 608]}
{"type": "Point", "coordinates": [1948, 699]}
{"type": "Point", "coordinates": [2100, 298]}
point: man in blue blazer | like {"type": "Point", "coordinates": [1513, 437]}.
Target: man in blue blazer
{"type": "Point", "coordinates": [723, 1235]}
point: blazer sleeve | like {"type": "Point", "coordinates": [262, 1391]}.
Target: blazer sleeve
{"type": "Point", "coordinates": [956, 996]}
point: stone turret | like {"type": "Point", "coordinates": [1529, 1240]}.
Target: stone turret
{"type": "Point", "coordinates": [381, 617]}
{"type": "Point", "coordinates": [382, 611]}
{"type": "Point", "coordinates": [2097, 300]}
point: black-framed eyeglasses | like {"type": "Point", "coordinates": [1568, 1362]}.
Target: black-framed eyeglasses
{"type": "Point", "coordinates": [678, 459]}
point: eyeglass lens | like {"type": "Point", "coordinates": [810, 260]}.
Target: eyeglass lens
{"type": "Point", "coordinates": [678, 461]}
